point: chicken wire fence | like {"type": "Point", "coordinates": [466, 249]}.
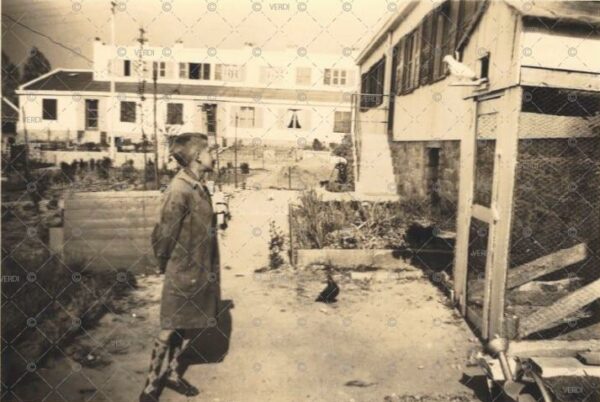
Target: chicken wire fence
{"type": "Point", "coordinates": [555, 223]}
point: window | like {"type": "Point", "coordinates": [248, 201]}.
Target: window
{"type": "Point", "coordinates": [128, 112]}
{"type": "Point", "coordinates": [372, 83]}
{"type": "Point", "coordinates": [91, 114]}
{"type": "Point", "coordinates": [293, 120]}
{"type": "Point", "coordinates": [303, 75]}
{"type": "Point", "coordinates": [210, 113]}
{"type": "Point", "coordinates": [127, 68]}
{"type": "Point", "coordinates": [484, 66]}
{"type": "Point", "coordinates": [272, 75]}
{"type": "Point", "coordinates": [341, 122]}
{"type": "Point", "coordinates": [335, 77]}
{"type": "Point", "coordinates": [246, 117]}
{"type": "Point", "coordinates": [160, 68]}
{"type": "Point", "coordinates": [410, 73]}
{"type": "Point", "coordinates": [229, 72]}
{"type": "Point", "coordinates": [174, 113]}
{"type": "Point", "coordinates": [49, 111]}
{"type": "Point", "coordinates": [199, 71]}
{"type": "Point", "coordinates": [183, 70]}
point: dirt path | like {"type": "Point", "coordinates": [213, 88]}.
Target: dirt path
{"type": "Point", "coordinates": [388, 334]}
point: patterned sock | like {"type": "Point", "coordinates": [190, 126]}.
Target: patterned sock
{"type": "Point", "coordinates": [174, 363]}
{"type": "Point", "coordinates": [158, 355]}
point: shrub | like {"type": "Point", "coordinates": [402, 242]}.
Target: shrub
{"type": "Point", "coordinates": [245, 168]}
{"type": "Point", "coordinates": [276, 246]}
{"type": "Point", "coordinates": [317, 145]}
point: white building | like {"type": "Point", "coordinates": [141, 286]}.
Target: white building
{"type": "Point", "coordinates": [279, 97]}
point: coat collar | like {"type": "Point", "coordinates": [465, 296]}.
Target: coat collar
{"type": "Point", "coordinates": [191, 179]}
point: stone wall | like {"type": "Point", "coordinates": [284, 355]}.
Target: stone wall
{"type": "Point", "coordinates": [412, 173]}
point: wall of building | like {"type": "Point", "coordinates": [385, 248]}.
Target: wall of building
{"type": "Point", "coordinates": [316, 119]}
{"type": "Point", "coordinates": [410, 162]}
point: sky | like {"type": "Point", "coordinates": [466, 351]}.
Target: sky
{"type": "Point", "coordinates": [317, 25]}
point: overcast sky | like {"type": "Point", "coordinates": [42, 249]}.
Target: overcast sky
{"type": "Point", "coordinates": [317, 25]}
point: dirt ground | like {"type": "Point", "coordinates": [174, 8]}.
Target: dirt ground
{"type": "Point", "coordinates": [390, 335]}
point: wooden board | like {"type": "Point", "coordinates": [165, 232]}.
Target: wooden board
{"type": "Point", "coordinates": [554, 348]}
{"type": "Point", "coordinates": [546, 317]}
{"type": "Point", "coordinates": [548, 367]}
{"type": "Point", "coordinates": [540, 267]}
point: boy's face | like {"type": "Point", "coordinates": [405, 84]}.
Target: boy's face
{"type": "Point", "coordinates": [205, 160]}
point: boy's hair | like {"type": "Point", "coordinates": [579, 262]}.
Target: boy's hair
{"type": "Point", "coordinates": [183, 148]}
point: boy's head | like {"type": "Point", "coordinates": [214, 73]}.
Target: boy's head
{"type": "Point", "coordinates": [191, 150]}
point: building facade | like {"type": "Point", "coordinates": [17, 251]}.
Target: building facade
{"type": "Point", "coordinates": [259, 97]}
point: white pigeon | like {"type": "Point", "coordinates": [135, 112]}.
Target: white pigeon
{"type": "Point", "coordinates": [459, 69]}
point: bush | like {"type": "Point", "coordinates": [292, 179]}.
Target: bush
{"type": "Point", "coordinates": [276, 245]}
{"type": "Point", "coordinates": [317, 145]}
{"type": "Point", "coordinates": [245, 168]}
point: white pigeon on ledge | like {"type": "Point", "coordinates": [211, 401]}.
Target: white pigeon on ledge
{"type": "Point", "coordinates": [466, 76]}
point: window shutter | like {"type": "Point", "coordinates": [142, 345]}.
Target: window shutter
{"type": "Point", "coordinates": [399, 65]}
{"type": "Point", "coordinates": [258, 117]}
{"type": "Point", "coordinates": [426, 49]}
{"type": "Point", "coordinates": [281, 123]}
{"type": "Point", "coordinates": [218, 68]}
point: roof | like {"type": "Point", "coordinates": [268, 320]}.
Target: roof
{"type": "Point", "coordinates": [83, 81]}
{"type": "Point", "coordinates": [10, 112]}
{"type": "Point", "coordinates": [572, 11]}
{"type": "Point", "coordinates": [565, 10]}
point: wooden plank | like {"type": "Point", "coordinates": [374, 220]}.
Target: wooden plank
{"type": "Point", "coordinates": [548, 367]}
{"type": "Point", "coordinates": [463, 220]}
{"type": "Point", "coordinates": [540, 267]}
{"type": "Point", "coordinates": [121, 234]}
{"type": "Point", "coordinates": [546, 317]}
{"type": "Point", "coordinates": [113, 194]}
{"type": "Point", "coordinates": [555, 348]}
{"type": "Point", "coordinates": [543, 77]}
{"type": "Point", "coordinates": [502, 202]}
{"type": "Point", "coordinates": [102, 213]}
{"type": "Point", "coordinates": [137, 222]}
{"type": "Point", "coordinates": [482, 213]}
{"type": "Point", "coordinates": [86, 204]}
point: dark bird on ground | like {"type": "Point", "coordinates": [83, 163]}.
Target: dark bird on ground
{"type": "Point", "coordinates": [330, 293]}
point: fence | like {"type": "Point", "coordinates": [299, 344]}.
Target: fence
{"type": "Point", "coordinates": [553, 237]}
{"type": "Point", "coordinates": [111, 230]}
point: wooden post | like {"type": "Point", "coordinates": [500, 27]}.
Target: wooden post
{"type": "Point", "coordinates": [290, 177]}
{"type": "Point", "coordinates": [502, 206]}
{"type": "Point", "coordinates": [155, 127]}
{"type": "Point", "coordinates": [465, 201]}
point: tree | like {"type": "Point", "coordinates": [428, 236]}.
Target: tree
{"type": "Point", "coordinates": [37, 64]}
{"type": "Point", "coordinates": [10, 78]}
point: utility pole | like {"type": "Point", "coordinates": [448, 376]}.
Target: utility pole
{"type": "Point", "coordinates": [26, 135]}
{"type": "Point", "coordinates": [142, 91]}
{"type": "Point", "coordinates": [112, 154]}
{"type": "Point", "coordinates": [155, 90]}
{"type": "Point", "coordinates": [235, 151]}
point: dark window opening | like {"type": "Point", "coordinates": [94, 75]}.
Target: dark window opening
{"type": "Point", "coordinates": [199, 71]}
{"type": "Point", "coordinates": [174, 113]}
{"type": "Point", "coordinates": [128, 112]}
{"type": "Point", "coordinates": [126, 68]}
{"type": "Point", "coordinates": [484, 66]}
{"type": "Point", "coordinates": [210, 112]}
{"type": "Point", "coordinates": [49, 111]}
{"type": "Point", "coordinates": [91, 114]}
{"type": "Point", "coordinates": [372, 83]}
{"type": "Point", "coordinates": [342, 122]}
{"type": "Point", "coordinates": [433, 175]}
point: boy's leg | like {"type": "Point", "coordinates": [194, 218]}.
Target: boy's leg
{"type": "Point", "coordinates": [173, 375]}
{"type": "Point", "coordinates": [151, 389]}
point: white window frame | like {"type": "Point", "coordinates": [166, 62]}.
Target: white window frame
{"type": "Point", "coordinates": [247, 117]}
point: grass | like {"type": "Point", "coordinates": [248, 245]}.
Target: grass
{"type": "Point", "coordinates": [336, 224]}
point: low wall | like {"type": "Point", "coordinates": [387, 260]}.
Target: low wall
{"type": "Point", "coordinates": [111, 230]}
{"type": "Point", "coordinates": [57, 157]}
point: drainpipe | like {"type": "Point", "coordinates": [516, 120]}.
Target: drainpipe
{"type": "Point", "coordinates": [112, 154]}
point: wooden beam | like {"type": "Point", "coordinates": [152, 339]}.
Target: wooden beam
{"type": "Point", "coordinates": [544, 77]}
{"type": "Point", "coordinates": [548, 367]}
{"type": "Point", "coordinates": [463, 220]}
{"type": "Point", "coordinates": [555, 348]}
{"type": "Point", "coordinates": [540, 267]}
{"type": "Point", "coordinates": [502, 202]}
{"type": "Point", "coordinates": [546, 317]}
{"type": "Point", "coordinates": [482, 213]}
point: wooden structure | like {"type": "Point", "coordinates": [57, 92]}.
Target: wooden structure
{"type": "Point", "coordinates": [111, 230]}
{"type": "Point", "coordinates": [529, 197]}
